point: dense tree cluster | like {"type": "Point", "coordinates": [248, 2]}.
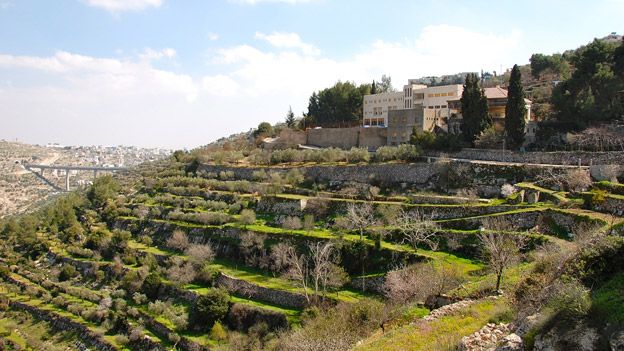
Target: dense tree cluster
{"type": "Point", "coordinates": [593, 93]}
{"type": "Point", "coordinates": [338, 105]}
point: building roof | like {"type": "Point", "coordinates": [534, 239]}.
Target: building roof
{"type": "Point", "coordinates": [494, 93]}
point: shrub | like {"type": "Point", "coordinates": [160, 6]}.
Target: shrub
{"type": "Point", "coordinates": [356, 155]}
{"type": "Point", "coordinates": [209, 308]}
{"type": "Point", "coordinates": [577, 180]}
{"type": "Point", "coordinates": [292, 223]}
{"type": "Point", "coordinates": [403, 152]}
{"type": "Point", "coordinates": [151, 285]}
{"type": "Point", "coordinates": [294, 177]}
{"type": "Point", "coordinates": [570, 298]}
{"type": "Point", "coordinates": [217, 332]}
{"type": "Point", "coordinates": [247, 217]}
{"type": "Point", "coordinates": [200, 254]}
{"type": "Point", "coordinates": [178, 240]}
{"type": "Point", "coordinates": [67, 272]}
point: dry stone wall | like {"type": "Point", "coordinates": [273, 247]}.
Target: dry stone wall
{"type": "Point", "coordinates": [64, 324]}
{"type": "Point", "coordinates": [244, 288]}
{"type": "Point", "coordinates": [488, 178]}
{"type": "Point", "coordinates": [558, 157]}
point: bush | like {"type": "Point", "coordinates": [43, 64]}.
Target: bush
{"type": "Point", "coordinates": [67, 272]}
{"type": "Point", "coordinates": [292, 223]}
{"type": "Point", "coordinates": [247, 217]}
{"type": "Point", "coordinates": [200, 254]}
{"type": "Point", "coordinates": [403, 152]}
{"type": "Point", "coordinates": [209, 308]}
{"type": "Point", "coordinates": [178, 240]}
{"type": "Point", "coordinates": [356, 155]}
{"type": "Point", "coordinates": [151, 285]}
{"type": "Point", "coordinates": [217, 332]}
{"type": "Point", "coordinates": [570, 298]}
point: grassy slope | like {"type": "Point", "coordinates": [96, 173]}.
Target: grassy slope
{"type": "Point", "coordinates": [441, 334]}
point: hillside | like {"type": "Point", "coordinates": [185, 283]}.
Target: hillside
{"type": "Point", "coordinates": [320, 254]}
{"type": "Point", "coordinates": [22, 191]}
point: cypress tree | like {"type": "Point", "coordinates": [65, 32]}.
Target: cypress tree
{"type": "Point", "coordinates": [373, 88]}
{"type": "Point", "coordinates": [474, 109]}
{"type": "Point", "coordinates": [515, 110]}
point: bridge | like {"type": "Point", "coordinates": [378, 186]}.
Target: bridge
{"type": "Point", "coordinates": [39, 170]}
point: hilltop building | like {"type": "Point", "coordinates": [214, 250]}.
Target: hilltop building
{"type": "Point", "coordinates": [428, 108]}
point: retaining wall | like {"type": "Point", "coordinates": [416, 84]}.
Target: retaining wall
{"type": "Point", "coordinates": [557, 157]}
{"type": "Point", "coordinates": [252, 291]}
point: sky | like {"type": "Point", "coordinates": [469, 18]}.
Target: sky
{"type": "Point", "coordinates": [183, 73]}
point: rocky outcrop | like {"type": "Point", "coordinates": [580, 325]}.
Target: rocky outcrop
{"type": "Point", "coordinates": [580, 338]}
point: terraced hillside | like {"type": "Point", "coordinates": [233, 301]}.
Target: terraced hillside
{"type": "Point", "coordinates": [191, 255]}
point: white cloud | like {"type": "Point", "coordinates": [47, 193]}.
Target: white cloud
{"type": "Point", "coordinates": [220, 85]}
{"type": "Point", "coordinates": [5, 4]}
{"type": "Point", "coordinates": [212, 36]}
{"type": "Point", "coordinates": [124, 5]}
{"type": "Point", "coordinates": [151, 54]}
{"type": "Point", "coordinates": [288, 41]}
{"type": "Point", "coordinates": [88, 100]}
{"type": "Point", "coordinates": [440, 49]}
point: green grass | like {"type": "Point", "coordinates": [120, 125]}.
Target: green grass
{"type": "Point", "coordinates": [292, 315]}
{"type": "Point", "coordinates": [608, 301]}
{"type": "Point", "coordinates": [441, 334]}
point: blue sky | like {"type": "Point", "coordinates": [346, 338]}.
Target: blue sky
{"type": "Point", "coordinates": [183, 73]}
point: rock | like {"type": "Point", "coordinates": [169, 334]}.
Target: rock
{"type": "Point", "coordinates": [579, 338]}
{"type": "Point", "coordinates": [526, 324]}
{"type": "Point", "coordinates": [533, 197]}
{"type": "Point", "coordinates": [617, 341]}
{"type": "Point", "coordinates": [511, 342]}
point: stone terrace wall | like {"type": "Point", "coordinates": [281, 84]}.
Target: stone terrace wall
{"type": "Point", "coordinates": [424, 175]}
{"type": "Point", "coordinates": [347, 138]}
{"type": "Point", "coordinates": [62, 324]}
{"type": "Point", "coordinates": [277, 297]}
{"type": "Point", "coordinates": [296, 207]}
{"type": "Point", "coordinates": [557, 157]}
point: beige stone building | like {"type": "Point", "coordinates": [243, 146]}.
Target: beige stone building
{"type": "Point", "coordinates": [427, 108]}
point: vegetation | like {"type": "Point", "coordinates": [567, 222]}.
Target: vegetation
{"type": "Point", "coordinates": [515, 110]}
{"type": "Point", "coordinates": [474, 109]}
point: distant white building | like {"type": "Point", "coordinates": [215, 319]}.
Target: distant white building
{"type": "Point", "coordinates": [425, 108]}
{"type": "Point", "coordinates": [413, 96]}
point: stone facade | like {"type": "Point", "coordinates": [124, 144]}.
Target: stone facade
{"type": "Point", "coordinates": [346, 138]}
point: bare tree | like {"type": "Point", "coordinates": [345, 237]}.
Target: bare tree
{"type": "Point", "coordinates": [316, 269]}
{"type": "Point", "coordinates": [359, 216]}
{"type": "Point", "coordinates": [297, 268]}
{"type": "Point", "coordinates": [419, 281]}
{"type": "Point", "coordinates": [417, 230]}
{"type": "Point", "coordinates": [178, 240]}
{"type": "Point", "coordinates": [325, 272]}
{"type": "Point", "coordinates": [200, 254]}
{"type": "Point", "coordinates": [501, 250]}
